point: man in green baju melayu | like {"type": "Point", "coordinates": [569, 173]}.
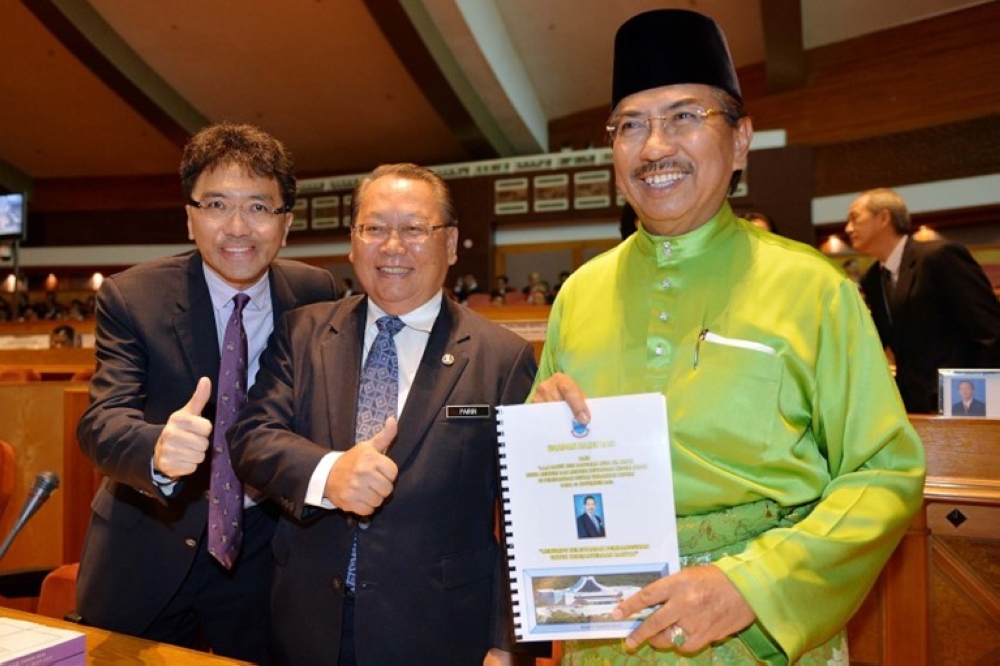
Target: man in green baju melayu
{"type": "Point", "coordinates": [795, 468]}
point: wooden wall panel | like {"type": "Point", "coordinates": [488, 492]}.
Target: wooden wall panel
{"type": "Point", "coordinates": [32, 422]}
{"type": "Point", "coordinates": [917, 103]}
{"type": "Point", "coordinates": [960, 150]}
{"type": "Point", "coordinates": [934, 72]}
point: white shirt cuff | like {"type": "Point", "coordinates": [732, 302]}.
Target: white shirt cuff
{"type": "Point", "coordinates": [317, 482]}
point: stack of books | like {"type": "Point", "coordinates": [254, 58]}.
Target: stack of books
{"type": "Point", "coordinates": [25, 643]}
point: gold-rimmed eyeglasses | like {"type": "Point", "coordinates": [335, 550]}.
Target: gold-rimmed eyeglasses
{"type": "Point", "coordinates": [413, 233]}
{"type": "Point", "coordinates": [635, 128]}
{"type": "Point", "coordinates": [221, 210]}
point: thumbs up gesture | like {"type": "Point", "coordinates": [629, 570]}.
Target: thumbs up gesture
{"type": "Point", "coordinates": [362, 478]}
{"type": "Point", "coordinates": [184, 440]}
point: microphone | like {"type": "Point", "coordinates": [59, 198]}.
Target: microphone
{"type": "Point", "coordinates": [45, 484]}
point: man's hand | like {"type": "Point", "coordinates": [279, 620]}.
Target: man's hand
{"type": "Point", "coordinates": [700, 600]}
{"type": "Point", "coordinates": [498, 657]}
{"type": "Point", "coordinates": [562, 387]}
{"type": "Point", "coordinates": [362, 477]}
{"type": "Point", "coordinates": [184, 440]}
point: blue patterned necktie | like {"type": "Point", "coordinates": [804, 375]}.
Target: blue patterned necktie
{"type": "Point", "coordinates": [225, 509]}
{"type": "Point", "coordinates": [378, 394]}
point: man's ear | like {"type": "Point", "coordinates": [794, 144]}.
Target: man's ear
{"type": "Point", "coordinates": [289, 218]}
{"type": "Point", "coordinates": [884, 218]}
{"type": "Point", "coordinates": [742, 136]}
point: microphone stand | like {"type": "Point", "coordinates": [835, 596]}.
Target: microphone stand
{"type": "Point", "coordinates": [45, 484]}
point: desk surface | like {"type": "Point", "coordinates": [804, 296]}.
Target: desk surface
{"type": "Point", "coordinates": [106, 648]}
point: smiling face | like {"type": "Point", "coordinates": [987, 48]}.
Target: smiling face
{"type": "Point", "coordinates": [399, 276]}
{"type": "Point", "coordinates": [238, 250]}
{"type": "Point", "coordinates": [676, 183]}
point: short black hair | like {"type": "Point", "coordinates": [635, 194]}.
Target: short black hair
{"type": "Point", "coordinates": [407, 171]}
{"type": "Point", "coordinates": [246, 146]}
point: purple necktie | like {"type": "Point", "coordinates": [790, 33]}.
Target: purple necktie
{"type": "Point", "coordinates": [225, 509]}
{"type": "Point", "coordinates": [377, 398]}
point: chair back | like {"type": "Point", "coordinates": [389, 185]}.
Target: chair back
{"type": "Point", "coordinates": [57, 597]}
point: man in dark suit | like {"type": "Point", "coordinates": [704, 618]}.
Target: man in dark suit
{"type": "Point", "coordinates": [931, 302]}
{"type": "Point", "coordinates": [415, 502]}
{"type": "Point", "coordinates": [145, 568]}
{"type": "Point", "coordinates": [588, 523]}
{"type": "Point", "coordinates": [968, 405]}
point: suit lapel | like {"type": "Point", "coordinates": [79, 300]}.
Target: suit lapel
{"type": "Point", "coordinates": [904, 282]}
{"type": "Point", "coordinates": [434, 382]}
{"type": "Point", "coordinates": [282, 295]}
{"type": "Point", "coordinates": [340, 358]}
{"type": "Point", "coordinates": [871, 285]}
{"type": "Point", "coordinates": [194, 321]}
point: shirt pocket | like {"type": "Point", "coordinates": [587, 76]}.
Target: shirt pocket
{"type": "Point", "coordinates": [728, 402]}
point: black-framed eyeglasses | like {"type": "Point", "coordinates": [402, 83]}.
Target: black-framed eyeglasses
{"type": "Point", "coordinates": [221, 210]}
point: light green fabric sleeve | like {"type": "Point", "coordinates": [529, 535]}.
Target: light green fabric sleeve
{"type": "Point", "coordinates": [792, 401]}
{"type": "Point", "coordinates": [830, 559]}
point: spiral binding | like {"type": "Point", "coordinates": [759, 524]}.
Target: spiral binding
{"type": "Point", "coordinates": [515, 588]}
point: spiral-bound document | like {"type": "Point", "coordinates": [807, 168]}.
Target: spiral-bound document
{"type": "Point", "coordinates": [589, 512]}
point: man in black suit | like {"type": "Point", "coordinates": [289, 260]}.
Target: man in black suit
{"type": "Point", "coordinates": [968, 405]}
{"type": "Point", "coordinates": [931, 302]}
{"type": "Point", "coordinates": [145, 568]}
{"type": "Point", "coordinates": [588, 523]}
{"type": "Point", "coordinates": [415, 502]}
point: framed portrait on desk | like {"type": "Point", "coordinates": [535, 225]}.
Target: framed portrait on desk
{"type": "Point", "coordinates": [969, 392]}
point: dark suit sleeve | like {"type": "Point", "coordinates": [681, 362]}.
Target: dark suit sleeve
{"type": "Point", "coordinates": [970, 296]}
{"type": "Point", "coordinates": [266, 451]}
{"type": "Point", "coordinates": [114, 432]}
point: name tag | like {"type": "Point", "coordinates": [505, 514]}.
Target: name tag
{"type": "Point", "coordinates": [467, 411]}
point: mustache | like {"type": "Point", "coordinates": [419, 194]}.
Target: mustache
{"type": "Point", "coordinates": [662, 165]}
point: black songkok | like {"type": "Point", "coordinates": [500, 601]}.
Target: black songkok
{"type": "Point", "coordinates": [665, 47]}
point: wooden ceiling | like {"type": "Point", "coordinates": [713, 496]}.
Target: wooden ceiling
{"type": "Point", "coordinates": [113, 89]}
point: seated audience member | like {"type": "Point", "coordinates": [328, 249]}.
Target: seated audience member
{"type": "Point", "coordinates": [761, 221]}
{"type": "Point", "coordinates": [50, 308]}
{"type": "Point", "coordinates": [533, 278]}
{"type": "Point", "coordinates": [501, 285]}
{"type": "Point", "coordinates": [466, 286]}
{"type": "Point", "coordinates": [539, 294]}
{"type": "Point", "coordinates": [563, 275]}
{"type": "Point", "coordinates": [62, 336]}
{"type": "Point", "coordinates": [75, 310]}
{"type": "Point", "coordinates": [348, 287]}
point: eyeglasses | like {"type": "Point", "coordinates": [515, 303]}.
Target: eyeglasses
{"type": "Point", "coordinates": [220, 210]}
{"type": "Point", "coordinates": [633, 128]}
{"type": "Point", "coordinates": [413, 234]}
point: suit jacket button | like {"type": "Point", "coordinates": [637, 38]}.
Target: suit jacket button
{"type": "Point", "coordinates": [350, 520]}
{"type": "Point", "coordinates": [190, 543]}
{"type": "Point", "coordinates": [364, 523]}
{"type": "Point", "coordinates": [338, 583]}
